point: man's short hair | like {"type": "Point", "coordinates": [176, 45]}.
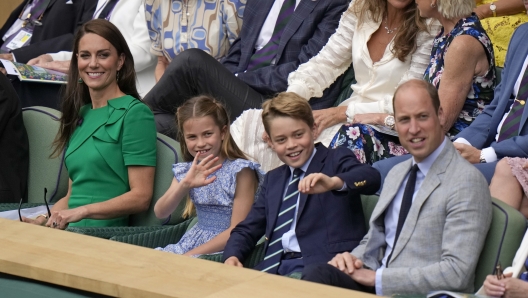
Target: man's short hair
{"type": "Point", "coordinates": [286, 104]}
{"type": "Point", "coordinates": [431, 90]}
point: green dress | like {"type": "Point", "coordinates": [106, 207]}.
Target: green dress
{"type": "Point", "coordinates": [105, 142]}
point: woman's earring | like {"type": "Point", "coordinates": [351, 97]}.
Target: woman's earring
{"type": "Point", "coordinates": [117, 76]}
{"type": "Point", "coordinates": [433, 5]}
{"type": "Point", "coordinates": [80, 81]}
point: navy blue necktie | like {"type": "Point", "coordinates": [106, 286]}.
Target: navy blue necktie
{"type": "Point", "coordinates": [405, 206]}
{"type": "Point", "coordinates": [274, 250]}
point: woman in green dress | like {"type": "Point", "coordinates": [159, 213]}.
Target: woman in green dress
{"type": "Point", "coordinates": [109, 135]}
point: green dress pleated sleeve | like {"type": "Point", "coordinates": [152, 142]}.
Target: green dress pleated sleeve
{"type": "Point", "coordinates": [106, 141]}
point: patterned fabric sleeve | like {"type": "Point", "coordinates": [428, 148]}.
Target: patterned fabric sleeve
{"type": "Point", "coordinates": [154, 25]}
{"type": "Point", "coordinates": [314, 76]}
{"type": "Point", "coordinates": [233, 10]}
{"type": "Point", "coordinates": [180, 170]}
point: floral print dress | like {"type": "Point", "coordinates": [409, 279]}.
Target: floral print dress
{"type": "Point", "coordinates": [370, 145]}
{"type": "Point", "coordinates": [481, 92]}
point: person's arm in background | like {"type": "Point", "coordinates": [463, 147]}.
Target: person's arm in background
{"type": "Point", "coordinates": [153, 10]}
{"type": "Point", "coordinates": [139, 41]}
{"type": "Point", "coordinates": [273, 79]}
{"type": "Point", "coordinates": [465, 59]}
{"type": "Point", "coordinates": [503, 8]}
{"type": "Point", "coordinates": [232, 18]}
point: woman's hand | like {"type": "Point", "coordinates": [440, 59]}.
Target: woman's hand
{"type": "Point", "coordinates": [198, 173]}
{"type": "Point", "coordinates": [61, 66]}
{"type": "Point", "coordinates": [328, 117]}
{"type": "Point", "coordinates": [60, 219]}
{"type": "Point", "coordinates": [370, 118]}
{"type": "Point", "coordinates": [40, 60]}
{"type": "Point", "coordinates": [39, 220]}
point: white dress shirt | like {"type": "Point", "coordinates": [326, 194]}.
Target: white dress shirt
{"type": "Point", "coordinates": [269, 25]}
{"type": "Point", "coordinates": [392, 213]}
{"type": "Point", "coordinates": [489, 153]}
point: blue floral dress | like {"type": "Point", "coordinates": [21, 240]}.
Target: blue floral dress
{"type": "Point", "coordinates": [482, 89]}
{"type": "Point", "coordinates": [213, 202]}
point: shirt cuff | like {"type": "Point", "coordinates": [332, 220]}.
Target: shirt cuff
{"type": "Point", "coordinates": [489, 154]}
{"type": "Point", "coordinates": [463, 141]}
{"type": "Point", "coordinates": [344, 187]}
{"type": "Point", "coordinates": [377, 282]}
{"type": "Point", "coordinates": [300, 89]}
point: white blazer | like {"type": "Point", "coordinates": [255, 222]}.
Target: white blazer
{"type": "Point", "coordinates": [129, 17]}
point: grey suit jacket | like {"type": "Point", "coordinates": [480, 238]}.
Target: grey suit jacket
{"type": "Point", "coordinates": [444, 232]}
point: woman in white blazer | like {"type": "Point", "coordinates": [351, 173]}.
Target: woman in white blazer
{"type": "Point", "coordinates": [129, 18]}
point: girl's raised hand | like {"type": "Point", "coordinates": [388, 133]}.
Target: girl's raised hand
{"type": "Point", "coordinates": [198, 173]}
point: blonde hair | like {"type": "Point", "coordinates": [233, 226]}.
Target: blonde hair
{"type": "Point", "coordinates": [453, 9]}
{"type": "Point", "coordinates": [405, 39]}
{"type": "Point", "coordinates": [203, 106]}
{"type": "Point", "coordinates": [286, 104]}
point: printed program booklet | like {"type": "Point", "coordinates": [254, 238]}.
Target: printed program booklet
{"type": "Point", "coordinates": [32, 73]}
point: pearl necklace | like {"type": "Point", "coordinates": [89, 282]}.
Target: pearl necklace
{"type": "Point", "coordinates": [389, 31]}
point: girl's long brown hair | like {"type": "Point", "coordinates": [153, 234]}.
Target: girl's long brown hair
{"type": "Point", "coordinates": [203, 106]}
{"type": "Point", "coordinates": [405, 39]}
{"type": "Point", "coordinates": [76, 94]}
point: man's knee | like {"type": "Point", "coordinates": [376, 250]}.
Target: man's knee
{"type": "Point", "coordinates": [188, 58]}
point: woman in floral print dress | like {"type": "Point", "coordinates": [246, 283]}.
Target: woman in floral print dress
{"type": "Point", "coordinates": [370, 145]}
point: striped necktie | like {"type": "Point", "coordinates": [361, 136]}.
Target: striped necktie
{"type": "Point", "coordinates": [265, 56]}
{"type": "Point", "coordinates": [283, 224]}
{"type": "Point", "coordinates": [510, 126]}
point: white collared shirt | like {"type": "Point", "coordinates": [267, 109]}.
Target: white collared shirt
{"type": "Point", "coordinates": [392, 213]}
{"type": "Point", "coordinates": [269, 25]}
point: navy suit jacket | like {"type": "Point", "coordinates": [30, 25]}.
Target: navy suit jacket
{"type": "Point", "coordinates": [14, 146]}
{"type": "Point", "coordinates": [327, 223]}
{"type": "Point", "coordinates": [481, 133]}
{"type": "Point", "coordinates": [312, 24]}
{"type": "Point", "coordinates": [58, 25]}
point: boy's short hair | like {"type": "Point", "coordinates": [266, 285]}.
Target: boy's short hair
{"type": "Point", "coordinates": [286, 104]}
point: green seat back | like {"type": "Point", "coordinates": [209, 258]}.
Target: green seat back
{"type": "Point", "coordinates": [44, 172]}
{"type": "Point", "coordinates": [504, 237]}
{"type": "Point", "coordinates": [368, 203]}
{"type": "Point", "coordinates": [348, 79]}
{"type": "Point", "coordinates": [168, 152]}
{"type": "Point", "coordinates": [498, 74]}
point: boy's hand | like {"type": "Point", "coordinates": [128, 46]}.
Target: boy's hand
{"type": "Point", "coordinates": [319, 183]}
{"type": "Point", "coordinates": [233, 261]}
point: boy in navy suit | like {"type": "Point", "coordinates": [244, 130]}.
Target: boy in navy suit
{"type": "Point", "coordinates": [310, 208]}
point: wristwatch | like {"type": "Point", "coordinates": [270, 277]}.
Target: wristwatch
{"type": "Point", "coordinates": [482, 158]}
{"type": "Point", "coordinates": [493, 8]}
{"type": "Point", "coordinates": [389, 121]}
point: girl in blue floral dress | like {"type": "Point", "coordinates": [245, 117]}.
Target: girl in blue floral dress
{"type": "Point", "coordinates": [220, 181]}
{"type": "Point", "coordinates": [370, 145]}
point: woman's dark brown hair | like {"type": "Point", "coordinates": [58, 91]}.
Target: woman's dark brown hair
{"type": "Point", "coordinates": [405, 39]}
{"type": "Point", "coordinates": [76, 94]}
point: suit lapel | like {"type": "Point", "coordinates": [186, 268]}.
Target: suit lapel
{"type": "Point", "coordinates": [430, 183]}
{"type": "Point", "coordinates": [302, 11]}
{"type": "Point", "coordinates": [315, 166]}
{"type": "Point", "coordinates": [276, 196]}
{"type": "Point", "coordinates": [390, 188]}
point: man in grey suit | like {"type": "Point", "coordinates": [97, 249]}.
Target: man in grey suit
{"type": "Point", "coordinates": [429, 226]}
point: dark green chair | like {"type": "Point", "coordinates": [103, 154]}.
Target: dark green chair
{"type": "Point", "coordinates": [502, 241]}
